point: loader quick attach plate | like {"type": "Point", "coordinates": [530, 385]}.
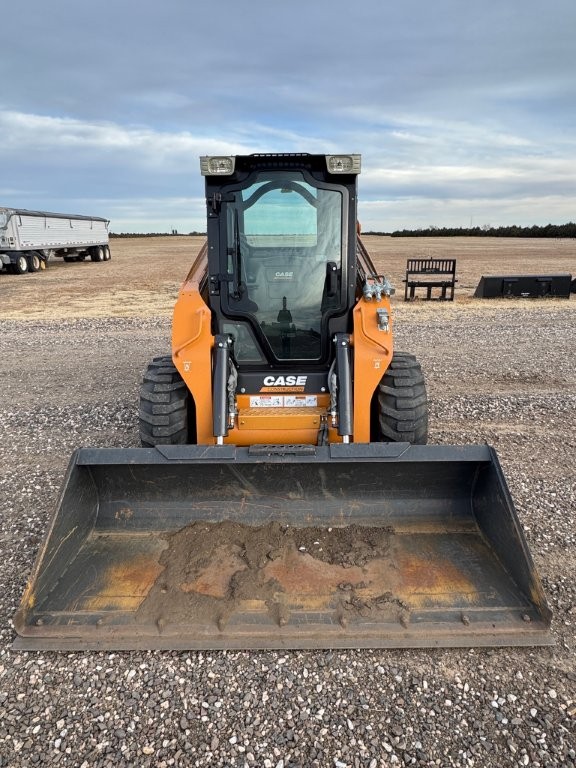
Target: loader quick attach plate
{"type": "Point", "coordinates": [343, 546]}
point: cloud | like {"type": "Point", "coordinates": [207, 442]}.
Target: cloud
{"type": "Point", "coordinates": [57, 157]}
{"type": "Point", "coordinates": [451, 107]}
{"type": "Point", "coordinates": [423, 212]}
{"type": "Point", "coordinates": [165, 150]}
{"type": "Point", "coordinates": [162, 214]}
{"type": "Point", "coordinates": [22, 131]}
{"type": "Point", "coordinates": [141, 177]}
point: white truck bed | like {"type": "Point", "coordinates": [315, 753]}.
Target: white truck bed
{"type": "Point", "coordinates": [29, 238]}
{"type": "Point", "coordinates": [22, 230]}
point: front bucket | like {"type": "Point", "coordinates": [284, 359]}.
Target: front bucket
{"type": "Point", "coordinates": [342, 546]}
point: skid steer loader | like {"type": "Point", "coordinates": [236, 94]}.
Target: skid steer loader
{"type": "Point", "coordinates": [285, 496]}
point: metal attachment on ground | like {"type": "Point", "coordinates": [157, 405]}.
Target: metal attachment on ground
{"type": "Point", "coordinates": [524, 286]}
{"type": "Point", "coordinates": [430, 274]}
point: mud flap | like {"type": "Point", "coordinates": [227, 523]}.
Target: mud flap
{"type": "Point", "coordinates": [341, 546]}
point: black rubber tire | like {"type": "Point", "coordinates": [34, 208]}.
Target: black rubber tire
{"type": "Point", "coordinates": [20, 266]}
{"type": "Point", "coordinates": [401, 402]}
{"type": "Point", "coordinates": [33, 262]}
{"type": "Point", "coordinates": [70, 259]}
{"type": "Point", "coordinates": [107, 254]}
{"type": "Point", "coordinates": [97, 253]}
{"type": "Point", "coordinates": [166, 414]}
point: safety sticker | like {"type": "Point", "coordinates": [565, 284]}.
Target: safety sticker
{"type": "Point", "coordinates": [300, 401]}
{"type": "Point", "coordinates": [266, 401]}
{"type": "Point", "coordinates": [283, 401]}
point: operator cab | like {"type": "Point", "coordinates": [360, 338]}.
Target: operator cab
{"type": "Point", "coordinates": [281, 265]}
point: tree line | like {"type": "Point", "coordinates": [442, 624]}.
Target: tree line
{"type": "Point", "coordinates": [155, 234]}
{"type": "Point", "coordinates": [549, 230]}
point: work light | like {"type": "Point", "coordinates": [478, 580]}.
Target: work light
{"type": "Point", "coordinates": [343, 163]}
{"type": "Point", "coordinates": [213, 165]}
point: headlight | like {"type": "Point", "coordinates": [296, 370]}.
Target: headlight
{"type": "Point", "coordinates": [343, 163]}
{"type": "Point", "coordinates": [216, 165]}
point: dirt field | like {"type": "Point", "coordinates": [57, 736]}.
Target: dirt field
{"type": "Point", "coordinates": [75, 341]}
{"type": "Point", "coordinates": [143, 277]}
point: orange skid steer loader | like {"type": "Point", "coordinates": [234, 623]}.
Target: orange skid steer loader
{"type": "Point", "coordinates": [285, 496]}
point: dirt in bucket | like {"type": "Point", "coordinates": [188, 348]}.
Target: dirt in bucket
{"type": "Point", "coordinates": [214, 570]}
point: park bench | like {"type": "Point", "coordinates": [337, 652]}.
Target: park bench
{"type": "Point", "coordinates": [430, 274]}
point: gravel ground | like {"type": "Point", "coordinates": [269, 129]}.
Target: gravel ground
{"type": "Point", "coordinates": [503, 374]}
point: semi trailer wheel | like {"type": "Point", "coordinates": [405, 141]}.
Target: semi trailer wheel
{"type": "Point", "coordinates": [166, 414]}
{"type": "Point", "coordinates": [107, 254]}
{"type": "Point", "coordinates": [33, 262]}
{"type": "Point", "coordinates": [97, 254]}
{"type": "Point", "coordinates": [20, 266]}
{"type": "Point", "coordinates": [401, 402]}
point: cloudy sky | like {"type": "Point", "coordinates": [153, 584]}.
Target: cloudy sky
{"type": "Point", "coordinates": [464, 112]}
